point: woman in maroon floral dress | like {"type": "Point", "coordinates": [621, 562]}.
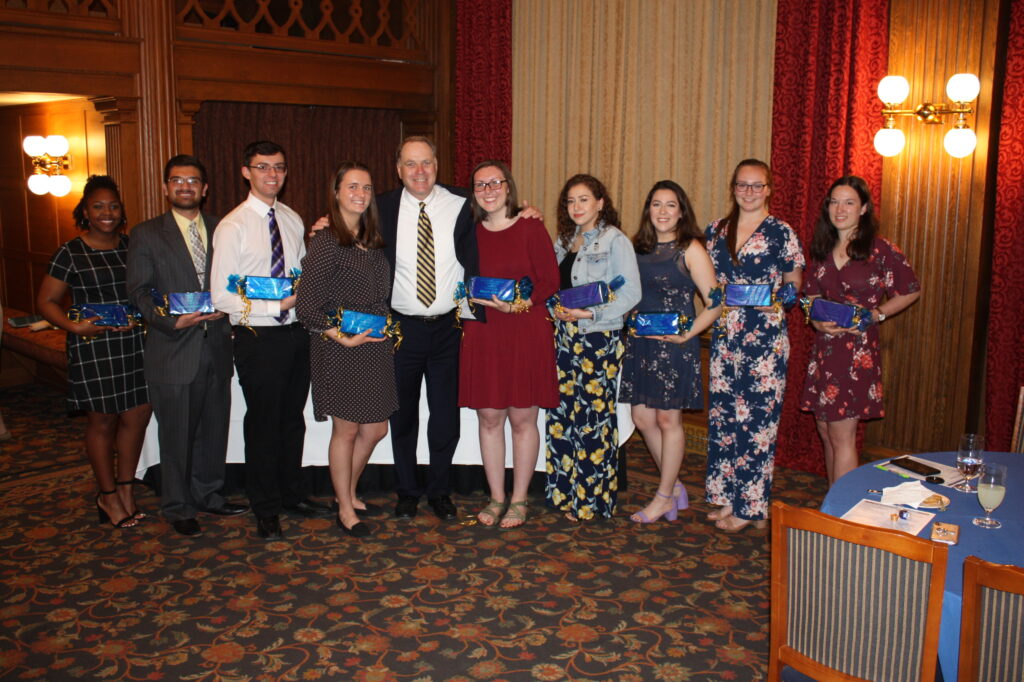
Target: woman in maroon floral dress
{"type": "Point", "coordinates": [851, 264]}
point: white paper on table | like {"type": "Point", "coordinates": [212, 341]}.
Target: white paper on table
{"type": "Point", "coordinates": [950, 474]}
{"type": "Point", "coordinates": [911, 493]}
{"type": "Point", "coordinates": [880, 515]}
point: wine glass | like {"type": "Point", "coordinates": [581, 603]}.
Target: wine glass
{"type": "Point", "coordinates": [969, 460]}
{"type": "Point", "coordinates": [991, 490]}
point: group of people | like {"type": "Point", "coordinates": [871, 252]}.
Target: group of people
{"type": "Point", "coordinates": [404, 254]}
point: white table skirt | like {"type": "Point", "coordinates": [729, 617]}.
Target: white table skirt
{"type": "Point", "coordinates": [318, 435]}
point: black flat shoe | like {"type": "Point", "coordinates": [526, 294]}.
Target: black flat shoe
{"type": "Point", "coordinates": [186, 527]}
{"type": "Point", "coordinates": [268, 527]}
{"type": "Point", "coordinates": [309, 508]}
{"type": "Point", "coordinates": [228, 509]}
{"type": "Point", "coordinates": [127, 522]}
{"type": "Point", "coordinates": [406, 507]}
{"type": "Point", "coordinates": [359, 530]}
{"type": "Point", "coordinates": [444, 508]}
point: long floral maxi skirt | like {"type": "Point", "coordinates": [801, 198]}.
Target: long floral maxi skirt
{"type": "Point", "coordinates": [582, 434]}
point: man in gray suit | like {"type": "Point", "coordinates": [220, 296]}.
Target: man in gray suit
{"type": "Point", "coordinates": [188, 357]}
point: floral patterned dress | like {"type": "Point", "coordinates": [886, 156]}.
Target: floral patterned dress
{"type": "Point", "coordinates": [749, 355]}
{"type": "Point", "coordinates": [844, 377]}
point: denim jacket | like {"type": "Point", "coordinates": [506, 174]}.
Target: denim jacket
{"type": "Point", "coordinates": [605, 253]}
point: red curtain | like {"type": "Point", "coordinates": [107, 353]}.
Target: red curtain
{"type": "Point", "coordinates": [1004, 364]}
{"type": "Point", "coordinates": [483, 84]}
{"type": "Point", "coordinates": [829, 57]}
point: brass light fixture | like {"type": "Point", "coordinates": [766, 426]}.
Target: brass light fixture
{"type": "Point", "coordinates": [960, 140]}
{"type": "Point", "coordinates": [49, 157]}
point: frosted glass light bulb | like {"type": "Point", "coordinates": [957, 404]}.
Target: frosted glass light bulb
{"type": "Point", "coordinates": [39, 184]}
{"type": "Point", "coordinates": [889, 141]}
{"type": "Point", "coordinates": [893, 89]}
{"type": "Point", "coordinates": [960, 142]}
{"type": "Point", "coordinates": [34, 145]}
{"type": "Point", "coordinates": [57, 145]}
{"type": "Point", "coordinates": [60, 185]}
{"type": "Point", "coordinates": [963, 87]}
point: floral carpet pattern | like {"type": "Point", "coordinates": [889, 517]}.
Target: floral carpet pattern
{"type": "Point", "coordinates": [420, 600]}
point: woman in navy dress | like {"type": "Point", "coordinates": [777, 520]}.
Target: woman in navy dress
{"type": "Point", "coordinates": [749, 351]}
{"type": "Point", "coordinates": [850, 263]}
{"type": "Point", "coordinates": [105, 371]}
{"type": "Point", "coordinates": [661, 374]}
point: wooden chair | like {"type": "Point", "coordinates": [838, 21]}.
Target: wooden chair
{"type": "Point", "coordinates": [992, 623]}
{"type": "Point", "coordinates": [853, 602]}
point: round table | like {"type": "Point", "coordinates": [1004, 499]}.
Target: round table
{"type": "Point", "coordinates": [1004, 545]}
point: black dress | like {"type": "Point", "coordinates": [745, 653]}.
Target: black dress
{"type": "Point", "coordinates": [105, 373]}
{"type": "Point", "coordinates": [354, 384]}
{"type": "Point", "coordinates": [659, 374]}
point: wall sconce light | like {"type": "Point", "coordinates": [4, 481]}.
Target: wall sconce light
{"type": "Point", "coordinates": [49, 157]}
{"type": "Point", "coordinates": [960, 140]}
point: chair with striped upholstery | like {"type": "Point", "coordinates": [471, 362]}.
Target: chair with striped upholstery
{"type": "Point", "coordinates": [852, 602]}
{"type": "Point", "coordinates": [992, 623]}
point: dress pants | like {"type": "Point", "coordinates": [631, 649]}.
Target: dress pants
{"type": "Point", "coordinates": [430, 348]}
{"type": "Point", "coordinates": [273, 370]}
{"type": "Point", "coordinates": [192, 429]}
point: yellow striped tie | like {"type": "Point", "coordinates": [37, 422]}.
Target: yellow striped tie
{"type": "Point", "coordinates": [426, 286]}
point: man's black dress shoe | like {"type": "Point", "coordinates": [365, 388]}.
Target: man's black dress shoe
{"type": "Point", "coordinates": [268, 527]}
{"type": "Point", "coordinates": [443, 508]}
{"type": "Point", "coordinates": [228, 509]}
{"type": "Point", "coordinates": [406, 507]}
{"type": "Point", "coordinates": [186, 527]}
{"type": "Point", "coordinates": [359, 530]}
{"type": "Point", "coordinates": [310, 507]}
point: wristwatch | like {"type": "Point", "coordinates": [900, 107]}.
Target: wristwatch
{"type": "Point", "coordinates": [881, 315]}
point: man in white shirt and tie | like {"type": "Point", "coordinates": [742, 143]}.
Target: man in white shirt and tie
{"type": "Point", "coordinates": [263, 237]}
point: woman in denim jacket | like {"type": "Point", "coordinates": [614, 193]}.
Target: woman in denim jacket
{"type": "Point", "coordinates": [582, 434]}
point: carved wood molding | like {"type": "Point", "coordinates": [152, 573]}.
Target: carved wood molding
{"type": "Point", "coordinates": [85, 15]}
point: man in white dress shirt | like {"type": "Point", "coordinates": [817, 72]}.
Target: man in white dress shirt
{"type": "Point", "coordinates": [263, 237]}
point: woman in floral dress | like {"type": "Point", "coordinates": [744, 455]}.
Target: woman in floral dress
{"type": "Point", "coordinates": [582, 432]}
{"type": "Point", "coordinates": [851, 264]}
{"type": "Point", "coordinates": [749, 351]}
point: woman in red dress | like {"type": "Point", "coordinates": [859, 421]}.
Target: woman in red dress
{"type": "Point", "coordinates": [851, 264]}
{"type": "Point", "coordinates": [507, 365]}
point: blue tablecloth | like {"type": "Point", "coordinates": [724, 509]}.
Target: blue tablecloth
{"type": "Point", "coordinates": [1004, 545]}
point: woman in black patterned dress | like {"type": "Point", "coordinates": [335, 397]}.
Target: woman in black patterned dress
{"type": "Point", "coordinates": [353, 376]}
{"type": "Point", "coordinates": [105, 370]}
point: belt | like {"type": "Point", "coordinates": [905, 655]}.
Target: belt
{"type": "Point", "coordinates": [428, 319]}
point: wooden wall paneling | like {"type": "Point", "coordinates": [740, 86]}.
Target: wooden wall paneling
{"type": "Point", "coordinates": [124, 150]}
{"type": "Point", "coordinates": [934, 209]}
{"type": "Point", "coordinates": [152, 23]}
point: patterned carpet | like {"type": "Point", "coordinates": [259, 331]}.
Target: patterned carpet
{"type": "Point", "coordinates": [419, 601]}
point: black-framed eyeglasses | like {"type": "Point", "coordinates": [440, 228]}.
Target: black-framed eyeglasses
{"type": "Point", "coordinates": [483, 186]}
{"type": "Point", "coordinates": [265, 167]}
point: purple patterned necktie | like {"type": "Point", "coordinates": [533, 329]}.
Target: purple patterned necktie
{"type": "Point", "coordinates": [276, 255]}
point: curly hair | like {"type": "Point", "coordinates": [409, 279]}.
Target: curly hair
{"type": "Point", "coordinates": [93, 184]}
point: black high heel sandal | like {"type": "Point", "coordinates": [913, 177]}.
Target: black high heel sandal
{"type": "Point", "coordinates": [137, 514]}
{"type": "Point", "coordinates": [127, 522]}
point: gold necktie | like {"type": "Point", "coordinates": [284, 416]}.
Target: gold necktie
{"type": "Point", "coordinates": [426, 279]}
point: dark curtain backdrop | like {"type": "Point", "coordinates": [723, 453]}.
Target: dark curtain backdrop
{"type": "Point", "coordinates": [315, 140]}
{"type": "Point", "coordinates": [829, 57]}
{"type": "Point", "coordinates": [483, 84]}
{"type": "Point", "coordinates": [1004, 362]}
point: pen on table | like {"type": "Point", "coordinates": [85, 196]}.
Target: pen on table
{"type": "Point", "coordinates": [882, 468]}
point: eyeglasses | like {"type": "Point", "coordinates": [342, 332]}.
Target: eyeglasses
{"type": "Point", "coordinates": [755, 187]}
{"type": "Point", "coordinates": [179, 181]}
{"type": "Point", "coordinates": [265, 167]}
{"type": "Point", "coordinates": [483, 186]}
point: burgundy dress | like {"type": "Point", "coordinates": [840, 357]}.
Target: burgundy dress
{"type": "Point", "coordinates": [509, 361]}
{"type": "Point", "coordinates": [844, 377]}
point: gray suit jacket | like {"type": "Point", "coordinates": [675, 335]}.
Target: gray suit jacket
{"type": "Point", "coordinates": [158, 258]}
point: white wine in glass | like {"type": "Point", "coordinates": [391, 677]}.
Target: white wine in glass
{"type": "Point", "coordinates": [969, 460]}
{"type": "Point", "coordinates": [991, 491]}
